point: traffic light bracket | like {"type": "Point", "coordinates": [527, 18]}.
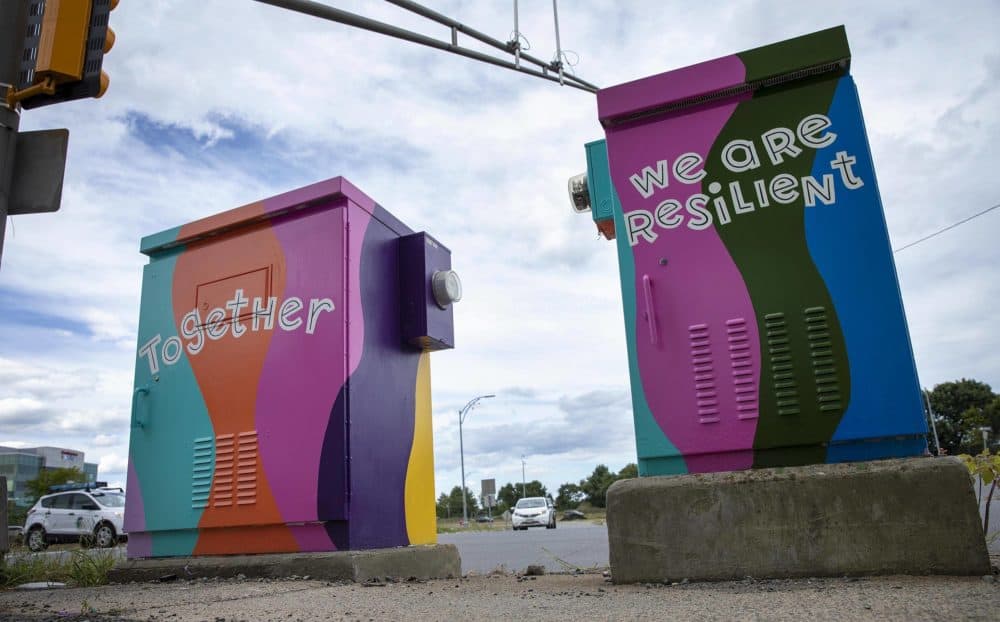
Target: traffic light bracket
{"type": "Point", "coordinates": [46, 87]}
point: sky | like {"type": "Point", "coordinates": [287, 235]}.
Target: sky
{"type": "Point", "coordinates": [216, 104]}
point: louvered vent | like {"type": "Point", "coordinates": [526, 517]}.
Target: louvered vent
{"type": "Point", "coordinates": [821, 353]}
{"type": "Point", "coordinates": [225, 458]}
{"type": "Point", "coordinates": [704, 374]}
{"type": "Point", "coordinates": [740, 356]}
{"type": "Point", "coordinates": [246, 468]}
{"type": "Point", "coordinates": [786, 393]}
{"type": "Point", "coordinates": [201, 472]}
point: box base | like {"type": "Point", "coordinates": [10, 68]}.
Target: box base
{"type": "Point", "coordinates": [437, 561]}
{"type": "Point", "coordinates": [837, 451]}
{"type": "Point", "coordinates": [911, 516]}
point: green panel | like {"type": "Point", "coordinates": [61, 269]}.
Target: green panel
{"type": "Point", "coordinates": [812, 50]}
{"type": "Point", "coordinates": [786, 289]}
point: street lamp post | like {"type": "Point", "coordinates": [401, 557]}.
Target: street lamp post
{"type": "Point", "coordinates": [461, 449]}
{"type": "Point", "coordinates": [524, 485]}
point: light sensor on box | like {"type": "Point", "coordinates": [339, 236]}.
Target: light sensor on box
{"type": "Point", "coordinates": [579, 195]}
{"type": "Point", "coordinates": [446, 287]}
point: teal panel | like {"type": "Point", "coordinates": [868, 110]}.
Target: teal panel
{"type": "Point", "coordinates": [602, 193]}
{"type": "Point", "coordinates": [174, 543]}
{"type": "Point", "coordinates": [162, 448]}
{"type": "Point", "coordinates": [158, 239]}
{"type": "Point", "coordinates": [657, 455]}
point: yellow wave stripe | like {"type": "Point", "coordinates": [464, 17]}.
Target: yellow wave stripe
{"type": "Point", "coordinates": [421, 522]}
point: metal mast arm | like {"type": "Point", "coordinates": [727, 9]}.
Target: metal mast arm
{"type": "Point", "coordinates": [323, 11]}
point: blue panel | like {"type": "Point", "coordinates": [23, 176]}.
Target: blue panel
{"type": "Point", "coordinates": [849, 244]}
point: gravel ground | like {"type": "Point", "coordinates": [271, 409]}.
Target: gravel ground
{"type": "Point", "coordinates": [550, 597]}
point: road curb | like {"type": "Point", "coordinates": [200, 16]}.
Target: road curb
{"type": "Point", "coordinates": [436, 561]}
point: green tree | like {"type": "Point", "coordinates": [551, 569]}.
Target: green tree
{"type": "Point", "coordinates": [443, 506]}
{"type": "Point", "coordinates": [629, 471]}
{"type": "Point", "coordinates": [53, 477]}
{"type": "Point", "coordinates": [507, 496]}
{"type": "Point", "coordinates": [596, 486]}
{"type": "Point", "coordinates": [455, 501]}
{"type": "Point", "coordinates": [960, 409]}
{"type": "Point", "coordinates": [510, 492]}
{"type": "Point", "coordinates": [569, 496]}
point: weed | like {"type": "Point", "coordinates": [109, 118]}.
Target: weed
{"type": "Point", "coordinates": [15, 570]}
{"type": "Point", "coordinates": [90, 569]}
{"type": "Point", "coordinates": [82, 569]}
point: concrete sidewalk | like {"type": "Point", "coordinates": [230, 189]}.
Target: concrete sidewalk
{"type": "Point", "coordinates": [552, 597]}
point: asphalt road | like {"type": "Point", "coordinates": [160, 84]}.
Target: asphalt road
{"type": "Point", "coordinates": [569, 546]}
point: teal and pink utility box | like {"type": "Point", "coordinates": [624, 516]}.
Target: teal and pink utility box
{"type": "Point", "coordinates": [762, 310]}
{"type": "Point", "coordinates": [282, 383]}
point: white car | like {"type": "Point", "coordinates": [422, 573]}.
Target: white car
{"type": "Point", "coordinates": [74, 515]}
{"type": "Point", "coordinates": [534, 512]}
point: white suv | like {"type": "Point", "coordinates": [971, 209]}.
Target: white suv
{"type": "Point", "coordinates": [74, 516]}
{"type": "Point", "coordinates": [534, 512]}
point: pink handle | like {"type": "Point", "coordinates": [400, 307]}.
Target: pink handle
{"type": "Point", "coordinates": [647, 291]}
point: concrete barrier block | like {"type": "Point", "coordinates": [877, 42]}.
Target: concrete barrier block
{"type": "Point", "coordinates": [435, 561]}
{"type": "Point", "coordinates": [912, 516]}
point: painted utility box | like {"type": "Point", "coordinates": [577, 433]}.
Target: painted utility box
{"type": "Point", "coordinates": [282, 386]}
{"type": "Point", "coordinates": [763, 315]}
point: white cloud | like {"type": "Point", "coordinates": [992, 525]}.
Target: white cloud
{"type": "Point", "coordinates": [211, 108]}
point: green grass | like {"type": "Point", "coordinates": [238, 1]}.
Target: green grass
{"type": "Point", "coordinates": [81, 569]}
{"type": "Point", "coordinates": [454, 525]}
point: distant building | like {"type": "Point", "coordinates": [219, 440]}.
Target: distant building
{"type": "Point", "coordinates": [21, 465]}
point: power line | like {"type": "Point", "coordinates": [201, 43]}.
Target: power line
{"type": "Point", "coordinates": [952, 226]}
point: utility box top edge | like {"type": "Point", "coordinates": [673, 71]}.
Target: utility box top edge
{"type": "Point", "coordinates": [319, 194]}
{"type": "Point", "coordinates": [755, 68]}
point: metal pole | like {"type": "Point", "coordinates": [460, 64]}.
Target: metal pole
{"type": "Point", "coordinates": [517, 39]}
{"type": "Point", "coordinates": [488, 40]}
{"type": "Point", "coordinates": [555, 16]}
{"type": "Point", "coordinates": [323, 11]}
{"type": "Point", "coordinates": [930, 415]}
{"type": "Point", "coordinates": [461, 449]}
{"type": "Point", "coordinates": [461, 453]}
{"type": "Point", "coordinates": [12, 18]}
{"type": "Point", "coordinates": [524, 486]}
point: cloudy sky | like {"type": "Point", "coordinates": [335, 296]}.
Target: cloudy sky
{"type": "Point", "coordinates": [214, 104]}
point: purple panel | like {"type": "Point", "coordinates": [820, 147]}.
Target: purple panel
{"type": "Point", "coordinates": [331, 492]}
{"type": "Point", "coordinates": [139, 545]}
{"type": "Point", "coordinates": [382, 401]}
{"type": "Point", "coordinates": [425, 324]}
{"type": "Point", "coordinates": [312, 537]}
{"type": "Point", "coordinates": [646, 93]}
{"type": "Point", "coordinates": [135, 511]}
{"type": "Point", "coordinates": [688, 283]}
{"type": "Point", "coordinates": [303, 372]}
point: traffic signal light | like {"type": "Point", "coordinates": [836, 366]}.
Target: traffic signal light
{"type": "Point", "coordinates": [64, 47]}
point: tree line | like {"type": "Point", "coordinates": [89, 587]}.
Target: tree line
{"type": "Point", "coordinates": [592, 490]}
{"type": "Point", "coordinates": [961, 409]}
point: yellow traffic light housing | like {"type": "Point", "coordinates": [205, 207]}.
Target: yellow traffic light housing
{"type": "Point", "coordinates": [62, 43]}
{"type": "Point", "coordinates": [64, 48]}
